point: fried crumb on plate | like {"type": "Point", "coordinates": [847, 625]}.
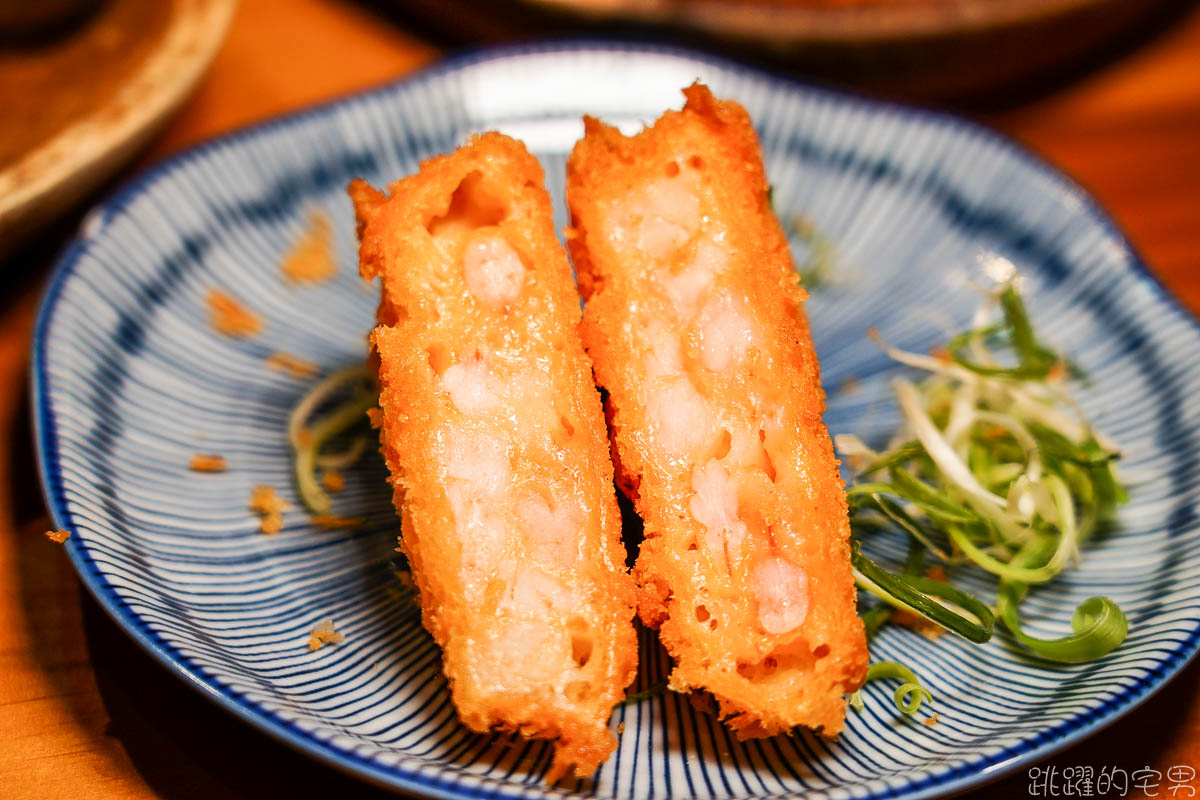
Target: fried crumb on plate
{"type": "Point", "coordinates": [323, 634]}
{"type": "Point", "coordinates": [270, 506]}
{"type": "Point", "coordinates": [311, 259]}
{"type": "Point", "coordinates": [333, 481]}
{"type": "Point", "coordinates": [331, 521]}
{"type": "Point", "coordinates": [293, 365]}
{"type": "Point", "coordinates": [58, 536]}
{"type": "Point", "coordinates": [931, 720]}
{"type": "Point", "coordinates": [208, 462]}
{"type": "Point", "coordinates": [926, 627]}
{"type": "Point", "coordinates": [230, 317]}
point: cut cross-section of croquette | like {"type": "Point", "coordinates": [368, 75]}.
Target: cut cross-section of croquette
{"type": "Point", "coordinates": [493, 431]}
{"type": "Point", "coordinates": [695, 326]}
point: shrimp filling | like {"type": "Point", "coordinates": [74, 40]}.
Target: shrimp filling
{"type": "Point", "coordinates": [493, 270]}
{"type": "Point", "coordinates": [663, 220]}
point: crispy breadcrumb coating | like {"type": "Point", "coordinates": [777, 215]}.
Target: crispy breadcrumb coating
{"type": "Point", "coordinates": [493, 432]}
{"type": "Point", "coordinates": [695, 327]}
{"type": "Point", "coordinates": [230, 317]}
{"type": "Point", "coordinates": [58, 537]}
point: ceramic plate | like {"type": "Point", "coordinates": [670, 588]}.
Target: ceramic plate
{"type": "Point", "coordinates": [130, 380]}
{"type": "Point", "coordinates": [113, 118]}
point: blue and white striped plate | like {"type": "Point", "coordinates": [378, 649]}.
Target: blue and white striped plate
{"type": "Point", "coordinates": [130, 381]}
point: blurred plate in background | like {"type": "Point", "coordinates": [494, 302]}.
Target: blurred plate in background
{"type": "Point", "coordinates": [915, 49]}
{"type": "Point", "coordinates": [79, 103]}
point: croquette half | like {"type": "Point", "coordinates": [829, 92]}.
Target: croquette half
{"type": "Point", "coordinates": [695, 325]}
{"type": "Point", "coordinates": [492, 429]}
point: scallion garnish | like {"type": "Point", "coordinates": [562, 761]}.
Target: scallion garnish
{"type": "Point", "coordinates": [653, 690]}
{"type": "Point", "coordinates": [949, 607]}
{"type": "Point", "coordinates": [996, 468]}
{"type": "Point", "coordinates": [308, 438]}
{"type": "Point", "coordinates": [1098, 622]}
{"type": "Point", "coordinates": [909, 694]}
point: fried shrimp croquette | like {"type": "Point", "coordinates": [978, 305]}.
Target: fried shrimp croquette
{"type": "Point", "coordinates": [695, 327]}
{"type": "Point", "coordinates": [493, 431]}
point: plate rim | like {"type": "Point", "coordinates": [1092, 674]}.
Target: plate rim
{"type": "Point", "coordinates": [984, 770]}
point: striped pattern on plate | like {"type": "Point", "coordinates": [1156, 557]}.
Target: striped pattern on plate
{"type": "Point", "coordinates": [130, 381]}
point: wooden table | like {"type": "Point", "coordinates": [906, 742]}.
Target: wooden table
{"type": "Point", "coordinates": [86, 713]}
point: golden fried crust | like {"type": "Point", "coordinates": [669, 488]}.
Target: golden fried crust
{"type": "Point", "coordinates": [493, 431]}
{"type": "Point", "coordinates": [695, 327]}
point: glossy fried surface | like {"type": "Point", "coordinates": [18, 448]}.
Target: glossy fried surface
{"type": "Point", "coordinates": [493, 431]}
{"type": "Point", "coordinates": [695, 326]}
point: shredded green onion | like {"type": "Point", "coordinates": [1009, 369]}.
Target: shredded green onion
{"type": "Point", "coordinates": [937, 601]}
{"type": "Point", "coordinates": [909, 694]}
{"type": "Point", "coordinates": [1098, 623]}
{"type": "Point", "coordinates": [346, 458]}
{"type": "Point", "coordinates": [997, 469]}
{"type": "Point", "coordinates": [875, 618]}
{"type": "Point", "coordinates": [650, 691]}
{"type": "Point", "coordinates": [308, 438]}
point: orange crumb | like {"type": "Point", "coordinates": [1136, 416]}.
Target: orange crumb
{"type": "Point", "coordinates": [931, 720]}
{"type": "Point", "coordinates": [322, 635]}
{"type": "Point", "coordinates": [336, 521]}
{"type": "Point", "coordinates": [58, 536]}
{"type": "Point", "coordinates": [940, 353]}
{"type": "Point", "coordinates": [621, 729]}
{"type": "Point", "coordinates": [333, 480]}
{"type": "Point", "coordinates": [1057, 372]}
{"type": "Point", "coordinates": [203, 462]}
{"type": "Point", "coordinates": [296, 367]}
{"type": "Point", "coordinates": [270, 506]}
{"type": "Point", "coordinates": [375, 417]}
{"type": "Point", "coordinates": [311, 258]}
{"type": "Point", "coordinates": [995, 432]}
{"type": "Point", "coordinates": [909, 619]}
{"type": "Point", "coordinates": [936, 573]}
{"type": "Point", "coordinates": [230, 317]}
